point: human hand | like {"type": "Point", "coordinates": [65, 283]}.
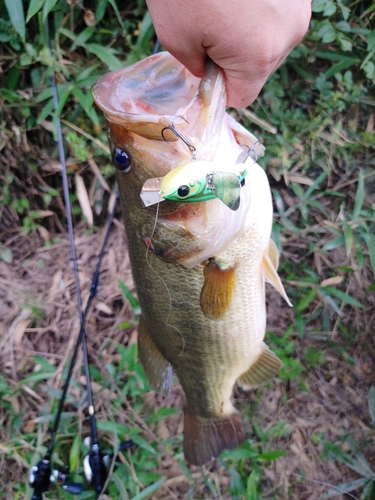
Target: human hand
{"type": "Point", "coordinates": [248, 39]}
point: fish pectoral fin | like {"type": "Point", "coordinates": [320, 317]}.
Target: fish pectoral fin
{"type": "Point", "coordinates": [227, 188]}
{"type": "Point", "coordinates": [217, 291]}
{"type": "Point", "coordinates": [272, 277]}
{"type": "Point", "coordinates": [265, 367]}
{"type": "Point", "coordinates": [273, 254]}
{"type": "Point", "coordinates": [158, 370]}
{"type": "Point", "coordinates": [205, 438]}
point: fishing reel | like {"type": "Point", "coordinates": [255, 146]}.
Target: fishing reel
{"type": "Point", "coordinates": [95, 467]}
{"type": "Point", "coordinates": [41, 476]}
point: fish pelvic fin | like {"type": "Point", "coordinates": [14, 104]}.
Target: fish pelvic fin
{"type": "Point", "coordinates": [158, 370]}
{"type": "Point", "coordinates": [205, 438]}
{"type": "Point", "coordinates": [269, 267]}
{"type": "Point", "coordinates": [217, 291]}
{"type": "Point", "coordinates": [264, 369]}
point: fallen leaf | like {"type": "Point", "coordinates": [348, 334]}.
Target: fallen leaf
{"type": "Point", "coordinates": [102, 307]}
{"type": "Point", "coordinates": [335, 280]}
{"type": "Point", "coordinates": [18, 327]}
{"type": "Point", "coordinates": [94, 167]}
{"type": "Point", "coordinates": [83, 199]}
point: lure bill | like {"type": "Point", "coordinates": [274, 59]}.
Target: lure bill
{"type": "Point", "coordinates": [200, 278]}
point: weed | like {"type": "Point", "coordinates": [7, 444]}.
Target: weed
{"type": "Point", "coordinates": [355, 459]}
{"type": "Point", "coordinates": [319, 157]}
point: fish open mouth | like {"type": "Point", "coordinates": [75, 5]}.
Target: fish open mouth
{"type": "Point", "coordinates": [158, 85]}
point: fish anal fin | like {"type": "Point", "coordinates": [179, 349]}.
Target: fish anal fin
{"type": "Point", "coordinates": [264, 369]}
{"type": "Point", "coordinates": [158, 370]}
{"type": "Point", "coordinates": [272, 277]}
{"type": "Point", "coordinates": [205, 438]}
{"type": "Point", "coordinates": [217, 291]}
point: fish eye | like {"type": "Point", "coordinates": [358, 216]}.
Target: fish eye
{"type": "Point", "coordinates": [183, 191]}
{"type": "Point", "coordinates": [121, 160]}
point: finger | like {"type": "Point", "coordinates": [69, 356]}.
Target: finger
{"type": "Point", "coordinates": [194, 61]}
{"type": "Point", "coordinates": [239, 94]}
{"type": "Point", "coordinates": [243, 88]}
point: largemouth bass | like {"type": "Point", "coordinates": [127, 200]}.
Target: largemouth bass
{"type": "Point", "coordinates": [199, 266]}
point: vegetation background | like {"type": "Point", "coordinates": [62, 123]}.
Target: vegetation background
{"type": "Point", "coordinates": [313, 428]}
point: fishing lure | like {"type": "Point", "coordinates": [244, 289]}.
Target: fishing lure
{"type": "Point", "coordinates": [197, 181]}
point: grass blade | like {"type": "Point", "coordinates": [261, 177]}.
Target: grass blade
{"type": "Point", "coordinates": [343, 296]}
{"type": "Point", "coordinates": [149, 490]}
{"type": "Point", "coordinates": [348, 235]}
{"type": "Point", "coordinates": [316, 183]}
{"type": "Point", "coordinates": [359, 197]}
{"type": "Point", "coordinates": [251, 489]}
{"type": "Point", "coordinates": [47, 7]}
{"type": "Point", "coordinates": [123, 494]}
{"type": "Point", "coordinates": [370, 243]}
{"type": "Point", "coordinates": [306, 300]}
{"type": "Point", "coordinates": [329, 300]}
{"type": "Point", "coordinates": [344, 488]}
{"type": "Point", "coordinates": [359, 464]}
{"type": "Point", "coordinates": [371, 403]}
{"type": "Point", "coordinates": [74, 453]}
{"type": "Point", "coordinates": [146, 32]}
{"type": "Point", "coordinates": [106, 55]}
{"type": "Point", "coordinates": [117, 12]}
{"type": "Point", "coordinates": [128, 294]}
{"type": "Point", "coordinates": [34, 7]}
{"type": "Point", "coordinates": [17, 16]}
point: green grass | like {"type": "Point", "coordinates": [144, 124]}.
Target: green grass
{"type": "Point", "coordinates": [320, 163]}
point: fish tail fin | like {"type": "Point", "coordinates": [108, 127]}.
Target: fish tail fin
{"type": "Point", "coordinates": [205, 438]}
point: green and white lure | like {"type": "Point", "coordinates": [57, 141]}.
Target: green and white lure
{"type": "Point", "coordinates": [197, 181]}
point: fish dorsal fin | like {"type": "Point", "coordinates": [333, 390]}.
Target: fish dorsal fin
{"type": "Point", "coordinates": [265, 367]}
{"type": "Point", "coordinates": [270, 272]}
{"type": "Point", "coordinates": [227, 188]}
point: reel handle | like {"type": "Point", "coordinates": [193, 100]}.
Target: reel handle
{"type": "Point", "coordinates": [40, 478]}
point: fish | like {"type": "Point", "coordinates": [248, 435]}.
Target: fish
{"type": "Point", "coordinates": [199, 266]}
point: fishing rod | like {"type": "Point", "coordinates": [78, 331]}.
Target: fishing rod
{"type": "Point", "coordinates": [95, 463]}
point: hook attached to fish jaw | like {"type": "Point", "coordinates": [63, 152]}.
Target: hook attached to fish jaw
{"type": "Point", "coordinates": [249, 153]}
{"type": "Point", "coordinates": [173, 129]}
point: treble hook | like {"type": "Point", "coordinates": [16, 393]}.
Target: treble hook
{"type": "Point", "coordinates": [172, 128]}
{"type": "Point", "coordinates": [245, 154]}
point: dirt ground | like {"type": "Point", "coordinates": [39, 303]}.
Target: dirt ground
{"type": "Point", "coordinates": [38, 316]}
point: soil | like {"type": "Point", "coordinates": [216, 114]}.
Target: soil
{"type": "Point", "coordinates": [38, 317]}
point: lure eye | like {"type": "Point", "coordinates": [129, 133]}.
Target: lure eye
{"type": "Point", "coordinates": [183, 191]}
{"type": "Point", "coordinates": [243, 182]}
{"type": "Point", "coordinates": [121, 160]}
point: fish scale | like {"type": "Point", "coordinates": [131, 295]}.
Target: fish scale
{"type": "Point", "coordinates": [200, 268]}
